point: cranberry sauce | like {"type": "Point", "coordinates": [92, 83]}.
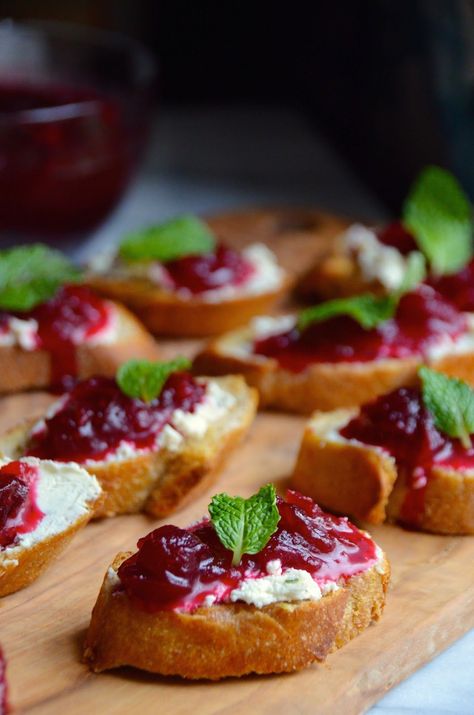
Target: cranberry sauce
{"type": "Point", "coordinates": [73, 315]}
{"type": "Point", "coordinates": [458, 288]}
{"type": "Point", "coordinates": [400, 424]}
{"type": "Point", "coordinates": [178, 568]}
{"type": "Point", "coordinates": [397, 236]}
{"type": "Point", "coordinates": [209, 271]}
{"type": "Point", "coordinates": [423, 318]}
{"type": "Point", "coordinates": [4, 709]}
{"type": "Point", "coordinates": [96, 417]}
{"type": "Point", "coordinates": [19, 512]}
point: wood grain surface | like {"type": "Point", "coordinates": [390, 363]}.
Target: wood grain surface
{"type": "Point", "coordinates": [430, 604]}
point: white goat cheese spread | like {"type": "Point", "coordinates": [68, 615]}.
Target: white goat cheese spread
{"type": "Point", "coordinates": [376, 261]}
{"type": "Point", "coordinates": [63, 493]}
{"type": "Point", "coordinates": [21, 333]}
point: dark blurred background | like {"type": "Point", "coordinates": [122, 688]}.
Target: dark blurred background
{"type": "Point", "coordinates": [389, 83]}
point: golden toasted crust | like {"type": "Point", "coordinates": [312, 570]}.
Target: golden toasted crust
{"type": "Point", "coordinates": [321, 386]}
{"type": "Point", "coordinates": [28, 563]}
{"type": "Point", "coordinates": [336, 275]}
{"type": "Point", "coordinates": [361, 481]}
{"type": "Point", "coordinates": [342, 476]}
{"type": "Point", "coordinates": [166, 313]}
{"type": "Point", "coordinates": [231, 639]}
{"type": "Point", "coordinates": [159, 482]}
{"type": "Point", "coordinates": [31, 369]}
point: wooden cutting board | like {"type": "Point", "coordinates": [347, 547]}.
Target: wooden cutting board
{"type": "Point", "coordinates": [430, 604]}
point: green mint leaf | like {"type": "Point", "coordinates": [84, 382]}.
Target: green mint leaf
{"type": "Point", "coordinates": [438, 214]}
{"type": "Point", "coordinates": [178, 237]}
{"type": "Point", "coordinates": [30, 275]}
{"type": "Point", "coordinates": [144, 379]}
{"type": "Point", "coordinates": [451, 402]}
{"type": "Point", "coordinates": [367, 309]}
{"type": "Point", "coordinates": [244, 526]}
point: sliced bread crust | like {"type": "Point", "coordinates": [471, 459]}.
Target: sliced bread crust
{"type": "Point", "coordinates": [231, 639]}
{"type": "Point", "coordinates": [348, 477]}
{"type": "Point", "coordinates": [31, 369]}
{"type": "Point", "coordinates": [321, 386]}
{"type": "Point", "coordinates": [160, 481]}
{"type": "Point", "coordinates": [166, 313]}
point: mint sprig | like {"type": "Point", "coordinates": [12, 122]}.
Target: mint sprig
{"type": "Point", "coordinates": [30, 275]}
{"type": "Point", "coordinates": [244, 526]}
{"type": "Point", "coordinates": [367, 309]}
{"type": "Point", "coordinates": [451, 402]}
{"type": "Point", "coordinates": [144, 379]}
{"type": "Point", "coordinates": [178, 237]}
{"type": "Point", "coordinates": [439, 215]}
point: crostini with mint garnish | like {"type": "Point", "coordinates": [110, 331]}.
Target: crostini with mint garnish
{"type": "Point", "coordinates": [262, 585]}
{"type": "Point", "coordinates": [54, 329]}
{"type": "Point", "coordinates": [153, 436]}
{"type": "Point", "coordinates": [436, 222]}
{"type": "Point", "coordinates": [346, 351]}
{"type": "Point", "coordinates": [180, 280]}
{"type": "Point", "coordinates": [405, 457]}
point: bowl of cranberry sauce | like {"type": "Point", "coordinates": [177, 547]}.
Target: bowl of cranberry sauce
{"type": "Point", "coordinates": [74, 111]}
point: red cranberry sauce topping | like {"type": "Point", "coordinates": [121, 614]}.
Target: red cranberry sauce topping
{"type": "Point", "coordinates": [178, 568]}
{"type": "Point", "coordinates": [397, 236]}
{"type": "Point", "coordinates": [422, 319]}
{"type": "Point", "coordinates": [19, 512]}
{"type": "Point", "coordinates": [458, 288]}
{"type": "Point", "coordinates": [96, 417]}
{"type": "Point", "coordinates": [4, 709]}
{"type": "Point", "coordinates": [73, 315]}
{"type": "Point", "coordinates": [400, 424]}
{"type": "Point", "coordinates": [209, 271]}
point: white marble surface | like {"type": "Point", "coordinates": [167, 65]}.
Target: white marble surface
{"type": "Point", "coordinates": [202, 161]}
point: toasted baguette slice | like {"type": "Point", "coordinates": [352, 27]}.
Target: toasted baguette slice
{"type": "Point", "coordinates": [31, 369]}
{"type": "Point", "coordinates": [321, 386]}
{"type": "Point", "coordinates": [166, 313]}
{"type": "Point", "coordinates": [161, 480]}
{"type": "Point", "coordinates": [67, 495]}
{"type": "Point", "coordinates": [360, 480]}
{"type": "Point", "coordinates": [231, 639]}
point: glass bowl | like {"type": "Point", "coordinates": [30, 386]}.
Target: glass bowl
{"type": "Point", "coordinates": [74, 115]}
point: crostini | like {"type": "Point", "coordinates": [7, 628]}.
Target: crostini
{"type": "Point", "coordinates": [149, 451]}
{"type": "Point", "coordinates": [203, 602]}
{"type": "Point", "coordinates": [179, 280]}
{"type": "Point", "coordinates": [42, 506]}
{"type": "Point", "coordinates": [300, 366]}
{"type": "Point", "coordinates": [391, 459]}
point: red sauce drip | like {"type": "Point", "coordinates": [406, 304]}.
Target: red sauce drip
{"type": "Point", "coordinates": [73, 315]}
{"type": "Point", "coordinates": [400, 424]}
{"type": "Point", "coordinates": [19, 512]}
{"type": "Point", "coordinates": [4, 709]}
{"type": "Point", "coordinates": [422, 318]}
{"type": "Point", "coordinates": [97, 417]}
{"type": "Point", "coordinates": [210, 270]}
{"type": "Point", "coordinates": [397, 236]}
{"type": "Point", "coordinates": [458, 288]}
{"type": "Point", "coordinates": [177, 568]}
{"type": "Point", "coordinates": [62, 168]}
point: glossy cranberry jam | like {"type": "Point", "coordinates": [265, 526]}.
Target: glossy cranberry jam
{"type": "Point", "coordinates": [422, 319]}
{"type": "Point", "coordinates": [458, 288]}
{"type": "Point", "coordinates": [96, 417]}
{"type": "Point", "coordinates": [73, 315]}
{"type": "Point", "coordinates": [400, 424]}
{"type": "Point", "coordinates": [4, 709]}
{"type": "Point", "coordinates": [19, 512]}
{"type": "Point", "coordinates": [178, 568]}
{"type": "Point", "coordinates": [209, 271]}
{"type": "Point", "coordinates": [397, 236]}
